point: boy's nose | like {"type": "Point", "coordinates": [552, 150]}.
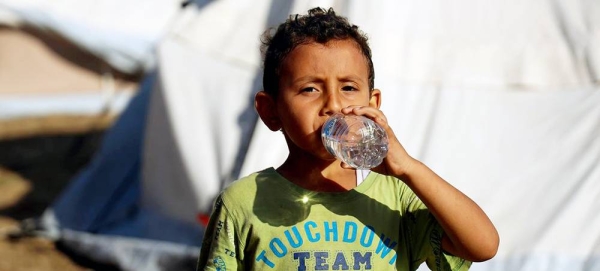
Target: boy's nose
{"type": "Point", "coordinates": [332, 104]}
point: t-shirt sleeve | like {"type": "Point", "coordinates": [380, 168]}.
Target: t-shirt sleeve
{"type": "Point", "coordinates": [425, 236]}
{"type": "Point", "coordinates": [220, 249]}
{"type": "Point", "coordinates": [440, 260]}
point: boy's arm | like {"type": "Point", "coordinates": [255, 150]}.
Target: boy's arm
{"type": "Point", "coordinates": [469, 233]}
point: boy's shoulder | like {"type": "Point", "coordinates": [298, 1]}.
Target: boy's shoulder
{"type": "Point", "coordinates": [246, 188]}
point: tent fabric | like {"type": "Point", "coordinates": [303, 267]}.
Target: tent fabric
{"type": "Point", "coordinates": [538, 44]}
{"type": "Point", "coordinates": [501, 99]}
{"type": "Point", "coordinates": [106, 194]}
{"type": "Point", "coordinates": [122, 34]}
{"type": "Point", "coordinates": [99, 214]}
{"type": "Point", "coordinates": [14, 106]}
{"type": "Point", "coordinates": [43, 75]}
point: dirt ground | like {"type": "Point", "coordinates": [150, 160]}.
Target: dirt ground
{"type": "Point", "coordinates": [38, 157]}
{"type": "Point", "coordinates": [31, 254]}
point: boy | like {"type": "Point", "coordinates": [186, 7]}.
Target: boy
{"type": "Point", "coordinates": [316, 213]}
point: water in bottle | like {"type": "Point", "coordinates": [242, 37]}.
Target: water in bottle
{"type": "Point", "coordinates": [356, 140]}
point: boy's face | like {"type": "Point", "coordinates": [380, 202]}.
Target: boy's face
{"type": "Point", "coordinates": [317, 80]}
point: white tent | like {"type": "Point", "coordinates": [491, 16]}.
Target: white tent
{"type": "Point", "coordinates": [501, 99]}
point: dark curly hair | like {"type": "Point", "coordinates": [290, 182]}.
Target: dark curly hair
{"type": "Point", "coordinates": [320, 26]}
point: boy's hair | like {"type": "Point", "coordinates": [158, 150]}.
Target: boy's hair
{"type": "Point", "coordinates": [318, 26]}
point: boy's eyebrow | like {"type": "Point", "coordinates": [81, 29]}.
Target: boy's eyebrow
{"type": "Point", "coordinates": [304, 79]}
{"type": "Point", "coordinates": [312, 78]}
{"type": "Point", "coordinates": [351, 78]}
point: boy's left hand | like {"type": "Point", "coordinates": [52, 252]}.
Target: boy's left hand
{"type": "Point", "coordinates": [397, 162]}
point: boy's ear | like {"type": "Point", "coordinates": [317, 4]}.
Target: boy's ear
{"type": "Point", "coordinates": [265, 107]}
{"type": "Point", "coordinates": [375, 100]}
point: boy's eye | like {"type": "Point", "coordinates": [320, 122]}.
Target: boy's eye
{"type": "Point", "coordinates": [309, 89]}
{"type": "Point", "coordinates": [349, 88]}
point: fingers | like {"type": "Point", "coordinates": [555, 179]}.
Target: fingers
{"type": "Point", "coordinates": [397, 159]}
{"type": "Point", "coordinates": [368, 111]}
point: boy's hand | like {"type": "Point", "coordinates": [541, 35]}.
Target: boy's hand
{"type": "Point", "coordinates": [397, 162]}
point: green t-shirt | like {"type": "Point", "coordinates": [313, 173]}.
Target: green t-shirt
{"type": "Point", "coordinates": [264, 222]}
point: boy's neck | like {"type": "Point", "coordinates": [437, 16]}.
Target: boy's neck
{"type": "Point", "coordinates": [319, 176]}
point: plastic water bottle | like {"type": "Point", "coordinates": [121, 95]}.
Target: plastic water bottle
{"type": "Point", "coordinates": [356, 140]}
